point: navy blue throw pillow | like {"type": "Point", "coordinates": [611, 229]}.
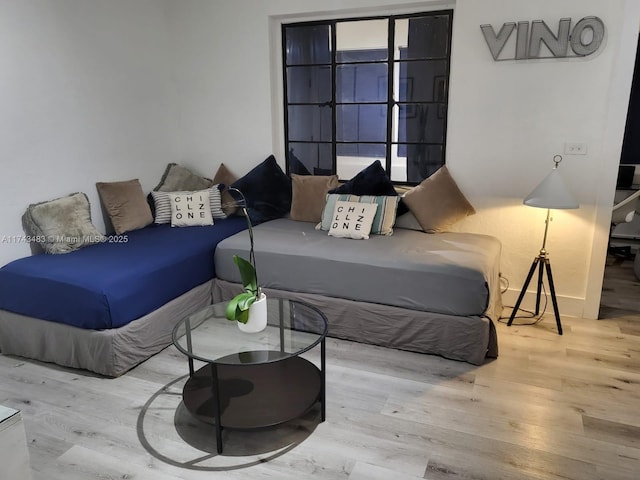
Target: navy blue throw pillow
{"type": "Point", "coordinates": [267, 190]}
{"type": "Point", "coordinates": [296, 166]}
{"type": "Point", "coordinates": [373, 180]}
{"type": "Point", "coordinates": [402, 208]}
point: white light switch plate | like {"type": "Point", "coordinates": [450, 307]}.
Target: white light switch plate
{"type": "Point", "coordinates": [574, 148]}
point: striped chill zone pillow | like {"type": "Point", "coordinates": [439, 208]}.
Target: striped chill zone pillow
{"type": "Point", "coordinates": [382, 222]}
{"type": "Point", "coordinates": [162, 204]}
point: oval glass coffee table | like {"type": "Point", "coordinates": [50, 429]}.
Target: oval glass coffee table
{"type": "Point", "coordinates": [253, 380]}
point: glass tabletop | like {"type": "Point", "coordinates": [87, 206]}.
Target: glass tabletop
{"type": "Point", "coordinates": [293, 327]}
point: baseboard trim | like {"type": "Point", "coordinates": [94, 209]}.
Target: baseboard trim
{"type": "Point", "coordinates": [568, 306]}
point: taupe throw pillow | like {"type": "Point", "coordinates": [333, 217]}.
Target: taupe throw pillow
{"type": "Point", "coordinates": [61, 225]}
{"type": "Point", "coordinates": [125, 204]}
{"type": "Point", "coordinates": [437, 202]}
{"type": "Point", "coordinates": [224, 176]}
{"type": "Point", "coordinates": [309, 195]}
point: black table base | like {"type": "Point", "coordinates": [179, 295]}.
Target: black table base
{"type": "Point", "coordinates": [253, 396]}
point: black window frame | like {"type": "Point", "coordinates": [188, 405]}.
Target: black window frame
{"type": "Point", "coordinates": [393, 63]}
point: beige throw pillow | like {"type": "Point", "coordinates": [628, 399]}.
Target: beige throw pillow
{"type": "Point", "coordinates": [190, 209]}
{"type": "Point", "coordinates": [437, 202]}
{"type": "Point", "coordinates": [352, 220]}
{"type": "Point", "coordinates": [309, 195]}
{"type": "Point", "coordinates": [382, 222]}
{"type": "Point", "coordinates": [162, 204]}
{"type": "Point", "coordinates": [125, 204]}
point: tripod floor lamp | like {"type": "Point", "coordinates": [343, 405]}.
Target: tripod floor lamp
{"type": "Point", "coordinates": [550, 193]}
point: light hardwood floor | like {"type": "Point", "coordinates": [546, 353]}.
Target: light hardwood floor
{"type": "Point", "coordinates": [549, 407]}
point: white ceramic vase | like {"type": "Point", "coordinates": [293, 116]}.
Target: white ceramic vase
{"type": "Point", "coordinates": [257, 316]}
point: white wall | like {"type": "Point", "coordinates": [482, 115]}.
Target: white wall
{"type": "Point", "coordinates": [507, 121]}
{"type": "Point", "coordinates": [84, 97]}
{"type": "Point", "coordinates": [112, 90]}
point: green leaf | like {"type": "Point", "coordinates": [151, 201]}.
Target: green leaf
{"type": "Point", "coordinates": [243, 316]}
{"type": "Point", "coordinates": [246, 301]}
{"type": "Point", "coordinates": [247, 274]}
{"type": "Point", "coordinates": [238, 307]}
{"type": "Point", "coordinates": [232, 310]}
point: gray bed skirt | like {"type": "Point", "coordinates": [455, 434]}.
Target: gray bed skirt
{"type": "Point", "coordinates": [108, 352]}
{"type": "Point", "coordinates": [115, 351]}
{"type": "Point", "coordinates": [470, 339]}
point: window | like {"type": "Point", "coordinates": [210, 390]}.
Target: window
{"type": "Point", "coordinates": [381, 93]}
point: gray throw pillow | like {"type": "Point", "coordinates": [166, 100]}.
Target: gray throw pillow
{"type": "Point", "coordinates": [61, 225]}
{"type": "Point", "coordinates": [408, 221]}
{"type": "Point", "coordinates": [178, 178]}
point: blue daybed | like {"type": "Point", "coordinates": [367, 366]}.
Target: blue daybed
{"type": "Point", "coordinates": [108, 307]}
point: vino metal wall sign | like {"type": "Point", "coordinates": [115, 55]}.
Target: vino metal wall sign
{"type": "Point", "coordinates": [585, 38]}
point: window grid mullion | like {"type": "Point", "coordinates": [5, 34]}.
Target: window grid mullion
{"type": "Point", "coordinates": [334, 82]}
{"type": "Point", "coordinates": [391, 30]}
{"type": "Point", "coordinates": [283, 35]}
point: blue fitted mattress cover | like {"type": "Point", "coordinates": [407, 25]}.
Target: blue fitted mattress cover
{"type": "Point", "coordinates": [110, 284]}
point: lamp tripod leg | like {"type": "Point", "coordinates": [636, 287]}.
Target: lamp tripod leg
{"type": "Point", "coordinates": [552, 289]}
{"type": "Point", "coordinates": [524, 289]}
{"type": "Point", "coordinates": [541, 262]}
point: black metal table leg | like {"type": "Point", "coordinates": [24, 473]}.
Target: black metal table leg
{"type": "Point", "coordinates": [187, 324]}
{"type": "Point", "coordinates": [215, 388]}
{"type": "Point", "coordinates": [322, 381]}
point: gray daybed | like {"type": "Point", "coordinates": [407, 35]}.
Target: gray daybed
{"type": "Point", "coordinates": [429, 293]}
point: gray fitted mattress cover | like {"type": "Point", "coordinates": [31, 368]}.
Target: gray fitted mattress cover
{"type": "Point", "coordinates": [448, 273]}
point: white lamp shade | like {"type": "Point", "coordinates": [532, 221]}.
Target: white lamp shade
{"type": "Point", "coordinates": [551, 193]}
